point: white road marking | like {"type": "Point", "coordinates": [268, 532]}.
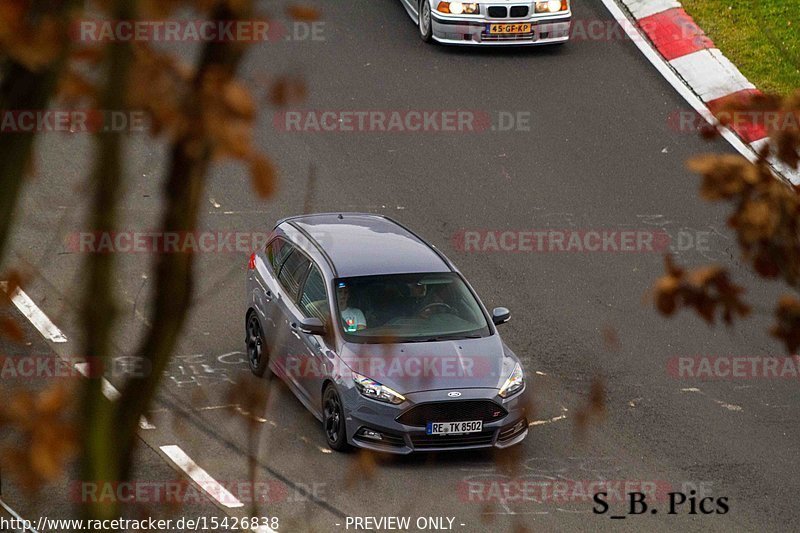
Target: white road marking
{"type": "Point", "coordinates": [111, 392]}
{"type": "Point", "coordinates": [207, 483]}
{"type": "Point", "coordinates": [550, 421]}
{"type": "Point", "coordinates": [17, 517]}
{"type": "Point", "coordinates": [728, 406]}
{"type": "Point", "coordinates": [35, 315]}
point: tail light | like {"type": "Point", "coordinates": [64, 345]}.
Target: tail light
{"type": "Point", "coordinates": [251, 265]}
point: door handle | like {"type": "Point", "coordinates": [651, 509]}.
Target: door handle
{"type": "Point", "coordinates": [268, 295]}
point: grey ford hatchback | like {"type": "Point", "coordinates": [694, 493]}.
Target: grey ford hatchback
{"type": "Point", "coordinates": [381, 338]}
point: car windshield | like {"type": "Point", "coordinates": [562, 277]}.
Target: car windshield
{"type": "Point", "coordinates": [408, 308]}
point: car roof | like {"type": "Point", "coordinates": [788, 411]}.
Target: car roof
{"type": "Point", "coordinates": [362, 244]}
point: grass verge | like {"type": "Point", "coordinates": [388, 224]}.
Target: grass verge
{"type": "Point", "coordinates": [761, 37]}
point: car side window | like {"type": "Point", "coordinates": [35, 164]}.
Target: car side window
{"type": "Point", "coordinates": [291, 275]}
{"type": "Point", "coordinates": [277, 251]}
{"type": "Point", "coordinates": [314, 300]}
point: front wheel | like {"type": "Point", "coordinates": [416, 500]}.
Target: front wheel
{"type": "Point", "coordinates": [333, 420]}
{"type": "Point", "coordinates": [425, 23]}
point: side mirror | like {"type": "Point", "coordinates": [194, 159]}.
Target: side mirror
{"type": "Point", "coordinates": [500, 315]}
{"type": "Point", "coordinates": [312, 326]}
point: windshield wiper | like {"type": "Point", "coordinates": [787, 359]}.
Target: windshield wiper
{"type": "Point", "coordinates": [448, 338]}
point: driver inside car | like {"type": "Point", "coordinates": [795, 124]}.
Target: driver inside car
{"type": "Point", "coordinates": [426, 301]}
{"type": "Point", "coordinates": [353, 318]}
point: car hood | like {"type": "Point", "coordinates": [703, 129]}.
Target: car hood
{"type": "Point", "coordinates": [427, 366]}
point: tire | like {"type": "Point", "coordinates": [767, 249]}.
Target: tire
{"type": "Point", "coordinates": [425, 21]}
{"type": "Point", "coordinates": [257, 352]}
{"type": "Point", "coordinates": [333, 422]}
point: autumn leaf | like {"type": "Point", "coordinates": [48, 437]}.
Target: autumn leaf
{"type": "Point", "coordinates": [787, 328]}
{"type": "Point", "coordinates": [264, 175]}
{"type": "Point", "coordinates": [287, 91]}
{"type": "Point", "coordinates": [303, 13]}
{"type": "Point", "coordinates": [10, 329]}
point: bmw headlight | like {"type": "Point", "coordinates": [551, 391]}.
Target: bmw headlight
{"type": "Point", "coordinates": [372, 389]}
{"type": "Point", "coordinates": [551, 6]}
{"type": "Point", "coordinates": [514, 383]}
{"type": "Point", "coordinates": [459, 8]}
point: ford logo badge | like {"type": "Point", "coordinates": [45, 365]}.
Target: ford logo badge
{"type": "Point", "coordinates": [454, 394]}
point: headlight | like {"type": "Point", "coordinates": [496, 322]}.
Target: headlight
{"type": "Point", "coordinates": [372, 389]}
{"type": "Point", "coordinates": [514, 383]}
{"type": "Point", "coordinates": [551, 6]}
{"type": "Point", "coordinates": [458, 8]}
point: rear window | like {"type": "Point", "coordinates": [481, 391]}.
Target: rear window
{"type": "Point", "coordinates": [292, 272]}
{"type": "Point", "coordinates": [277, 251]}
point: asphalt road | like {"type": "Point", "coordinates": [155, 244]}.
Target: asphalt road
{"type": "Point", "coordinates": [600, 154]}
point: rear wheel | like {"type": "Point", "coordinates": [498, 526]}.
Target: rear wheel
{"type": "Point", "coordinates": [425, 24]}
{"type": "Point", "coordinates": [333, 420]}
{"type": "Point", "coordinates": [257, 352]}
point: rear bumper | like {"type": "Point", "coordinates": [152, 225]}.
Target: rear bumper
{"type": "Point", "coordinates": [472, 31]}
{"type": "Point", "coordinates": [402, 439]}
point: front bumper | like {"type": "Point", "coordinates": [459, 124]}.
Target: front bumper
{"type": "Point", "coordinates": [548, 29]}
{"type": "Point", "coordinates": [363, 413]}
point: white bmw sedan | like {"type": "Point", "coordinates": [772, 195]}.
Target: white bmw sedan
{"type": "Point", "coordinates": [502, 22]}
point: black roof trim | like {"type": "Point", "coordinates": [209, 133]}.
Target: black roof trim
{"type": "Point", "coordinates": [313, 241]}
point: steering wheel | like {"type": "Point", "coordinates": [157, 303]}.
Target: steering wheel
{"type": "Point", "coordinates": [428, 309]}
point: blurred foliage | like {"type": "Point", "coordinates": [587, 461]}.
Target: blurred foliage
{"type": "Point", "coordinates": [765, 218]}
{"type": "Point", "coordinates": [204, 113]}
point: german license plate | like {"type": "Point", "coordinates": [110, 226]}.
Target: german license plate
{"type": "Point", "coordinates": [509, 29]}
{"type": "Point", "coordinates": [454, 428]}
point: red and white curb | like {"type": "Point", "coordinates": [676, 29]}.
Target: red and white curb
{"type": "Point", "coordinates": [694, 60]}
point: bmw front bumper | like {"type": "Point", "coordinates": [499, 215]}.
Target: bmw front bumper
{"type": "Point", "coordinates": [374, 425]}
{"type": "Point", "coordinates": [550, 29]}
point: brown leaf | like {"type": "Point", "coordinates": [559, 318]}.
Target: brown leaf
{"type": "Point", "coordinates": [239, 101]}
{"type": "Point", "coordinates": [264, 175]}
{"type": "Point", "coordinates": [287, 91]}
{"type": "Point", "coordinates": [303, 13]}
{"type": "Point", "coordinates": [10, 329]}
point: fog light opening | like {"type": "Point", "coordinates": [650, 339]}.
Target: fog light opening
{"type": "Point", "coordinates": [370, 434]}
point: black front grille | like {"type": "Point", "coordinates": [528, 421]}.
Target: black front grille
{"type": "Point", "coordinates": [455, 411]}
{"type": "Point", "coordinates": [519, 11]}
{"type": "Point", "coordinates": [497, 12]}
{"type": "Point", "coordinates": [422, 442]}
